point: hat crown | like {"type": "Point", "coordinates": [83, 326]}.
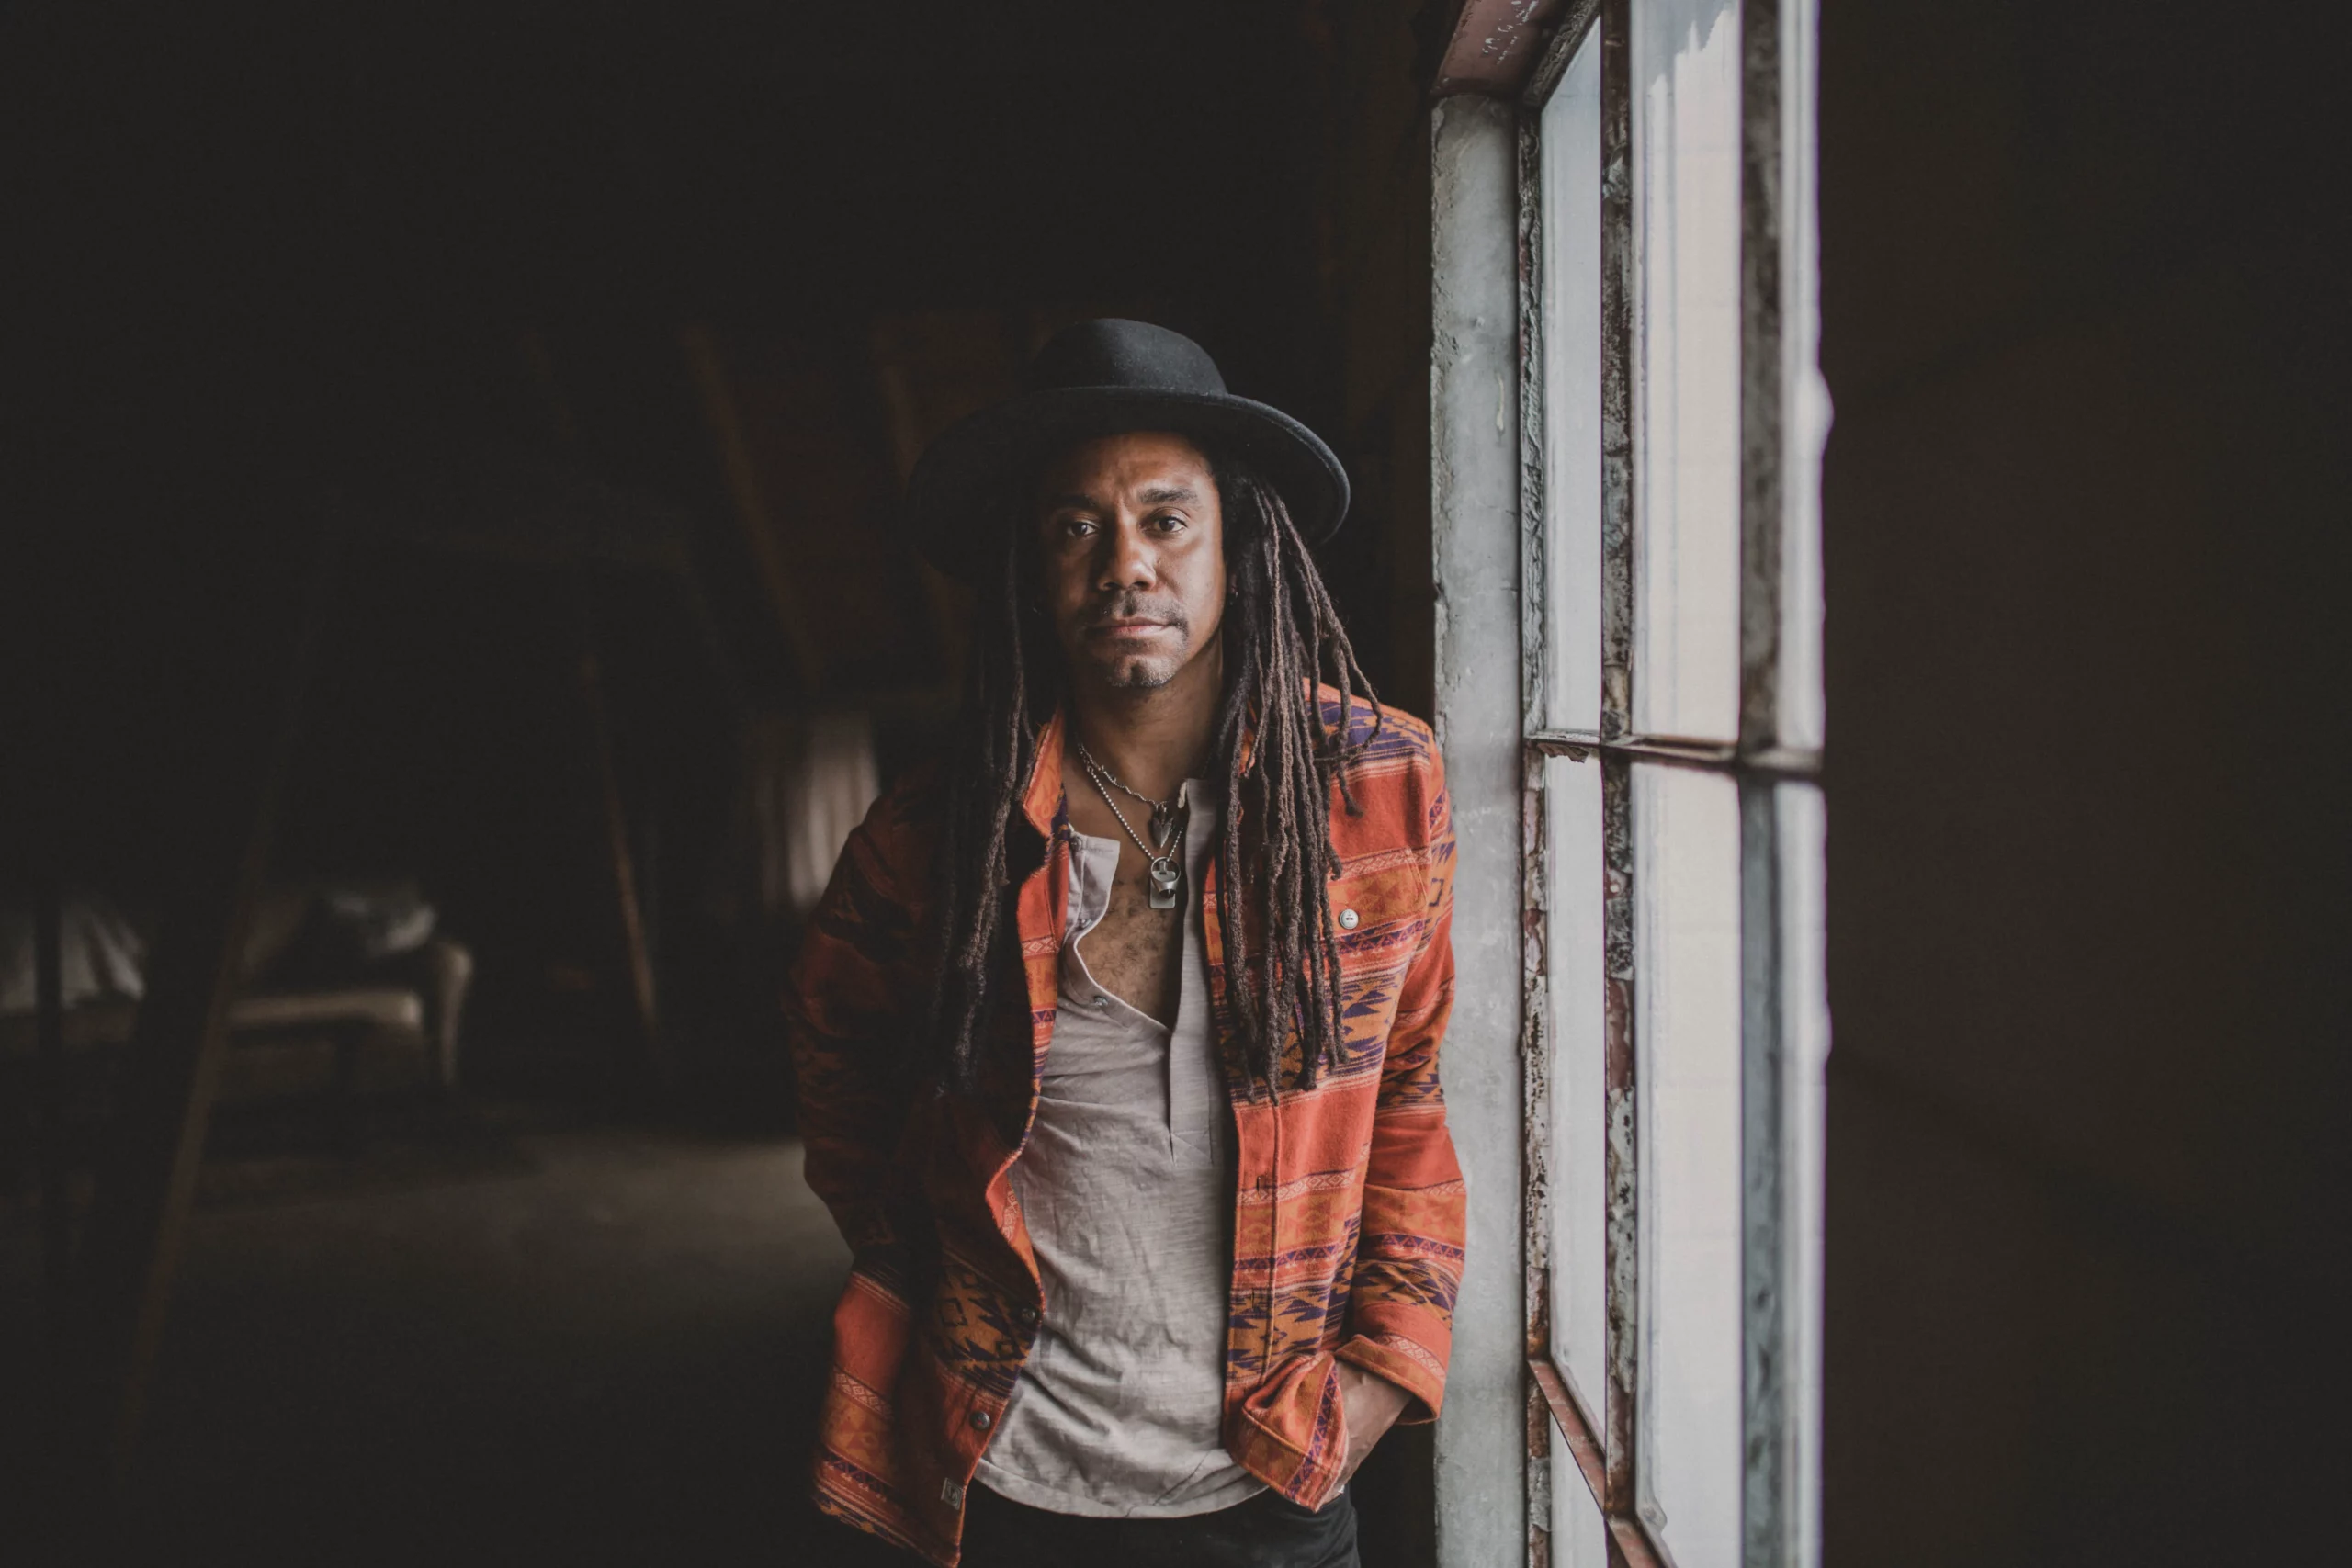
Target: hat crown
{"type": "Point", "coordinates": [1113, 353]}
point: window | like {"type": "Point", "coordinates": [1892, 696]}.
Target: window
{"type": "Point", "coordinates": [1677, 1020]}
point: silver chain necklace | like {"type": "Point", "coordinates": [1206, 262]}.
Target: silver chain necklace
{"type": "Point", "coordinates": [1163, 812]}
{"type": "Point", "coordinates": [1167, 876]}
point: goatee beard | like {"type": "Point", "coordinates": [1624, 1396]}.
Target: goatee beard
{"type": "Point", "coordinates": [1139, 675]}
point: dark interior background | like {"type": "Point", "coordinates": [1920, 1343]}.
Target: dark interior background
{"type": "Point", "coordinates": [464, 279]}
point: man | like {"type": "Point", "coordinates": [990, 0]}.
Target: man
{"type": "Point", "coordinates": [1118, 1035]}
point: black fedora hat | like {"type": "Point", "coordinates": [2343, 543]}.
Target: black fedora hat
{"type": "Point", "coordinates": [1102, 377]}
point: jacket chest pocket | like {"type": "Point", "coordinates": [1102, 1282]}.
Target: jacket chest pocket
{"type": "Point", "coordinates": [1379, 914]}
{"type": "Point", "coordinates": [1379, 902]}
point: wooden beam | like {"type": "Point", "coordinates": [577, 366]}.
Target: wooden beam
{"type": "Point", "coordinates": [751, 514]}
{"type": "Point", "coordinates": [121, 1286]}
{"type": "Point", "coordinates": [1493, 47]}
{"type": "Point", "coordinates": [619, 857]}
{"type": "Point", "coordinates": [49, 1002]}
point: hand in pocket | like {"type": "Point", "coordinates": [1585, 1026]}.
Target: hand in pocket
{"type": "Point", "coordinates": [1369, 1405]}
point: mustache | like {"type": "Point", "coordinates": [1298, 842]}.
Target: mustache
{"type": "Point", "coordinates": [1137, 608]}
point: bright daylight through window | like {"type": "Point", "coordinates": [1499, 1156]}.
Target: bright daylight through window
{"type": "Point", "coordinates": [1671, 602]}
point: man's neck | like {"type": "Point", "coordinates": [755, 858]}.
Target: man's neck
{"type": "Point", "coordinates": [1153, 738]}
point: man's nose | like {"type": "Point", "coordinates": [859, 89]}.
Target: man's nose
{"type": "Point", "coordinates": [1126, 559]}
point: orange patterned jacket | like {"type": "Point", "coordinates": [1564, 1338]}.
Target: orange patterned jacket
{"type": "Point", "coordinates": [1348, 1210]}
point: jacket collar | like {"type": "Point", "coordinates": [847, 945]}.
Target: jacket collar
{"type": "Point", "coordinates": [1041, 801]}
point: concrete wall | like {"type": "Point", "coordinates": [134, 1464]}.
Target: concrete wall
{"type": "Point", "coordinates": [1481, 1438]}
{"type": "Point", "coordinates": [2085, 325]}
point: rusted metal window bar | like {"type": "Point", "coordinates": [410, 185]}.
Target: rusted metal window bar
{"type": "Point", "coordinates": [1762, 763]}
{"type": "Point", "coordinates": [1600, 1433]}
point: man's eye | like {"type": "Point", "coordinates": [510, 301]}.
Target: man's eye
{"type": "Point", "coordinates": [1170, 524]}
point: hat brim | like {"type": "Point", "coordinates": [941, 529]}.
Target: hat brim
{"type": "Point", "coordinates": [974, 461]}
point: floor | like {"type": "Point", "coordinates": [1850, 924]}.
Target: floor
{"type": "Point", "coordinates": [602, 1345]}
{"type": "Point", "coordinates": [612, 1358]}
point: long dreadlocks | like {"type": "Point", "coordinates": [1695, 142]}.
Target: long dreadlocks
{"type": "Point", "coordinates": [1282, 635]}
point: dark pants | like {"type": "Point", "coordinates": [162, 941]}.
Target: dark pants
{"type": "Point", "coordinates": [1264, 1532]}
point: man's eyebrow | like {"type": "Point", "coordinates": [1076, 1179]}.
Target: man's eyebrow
{"type": "Point", "coordinates": [1158, 495]}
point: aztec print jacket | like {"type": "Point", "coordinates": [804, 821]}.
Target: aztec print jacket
{"type": "Point", "coordinates": [1349, 1212]}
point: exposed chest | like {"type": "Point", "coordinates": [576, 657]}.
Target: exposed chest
{"type": "Point", "coordinates": [1136, 952]}
{"type": "Point", "coordinates": [1132, 943]}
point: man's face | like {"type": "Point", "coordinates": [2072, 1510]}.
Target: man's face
{"type": "Point", "coordinates": [1131, 547]}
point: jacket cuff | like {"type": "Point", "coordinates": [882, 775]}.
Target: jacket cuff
{"type": "Point", "coordinates": [1292, 1434]}
{"type": "Point", "coordinates": [1395, 1359]}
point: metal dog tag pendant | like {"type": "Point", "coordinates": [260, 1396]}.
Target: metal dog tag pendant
{"type": "Point", "coordinates": [1165, 882]}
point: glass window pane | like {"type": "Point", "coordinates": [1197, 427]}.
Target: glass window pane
{"type": "Point", "coordinates": [1801, 723]}
{"type": "Point", "coordinates": [1579, 1082]}
{"type": "Point", "coordinates": [1687, 1006]}
{"type": "Point", "coordinates": [1579, 1535]}
{"type": "Point", "coordinates": [1805, 997]}
{"type": "Point", "coordinates": [1806, 395]}
{"type": "Point", "coordinates": [1685, 222]}
{"type": "Point", "coordinates": [1571, 161]}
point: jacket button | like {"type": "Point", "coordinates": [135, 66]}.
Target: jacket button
{"type": "Point", "coordinates": [1347, 920]}
{"type": "Point", "coordinates": [1028, 1316]}
{"type": "Point", "coordinates": [982, 1421]}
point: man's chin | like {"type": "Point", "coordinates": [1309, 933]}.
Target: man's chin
{"type": "Point", "coordinates": [1135, 674]}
